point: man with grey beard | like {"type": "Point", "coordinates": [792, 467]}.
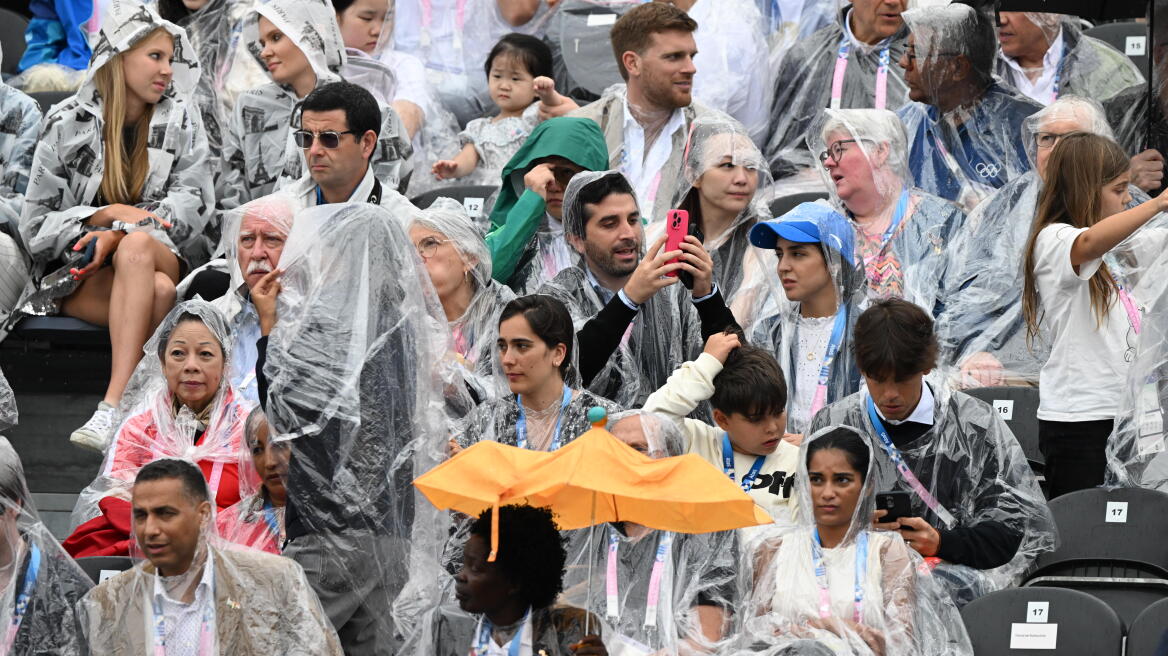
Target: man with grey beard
{"type": "Point", "coordinates": [641, 314]}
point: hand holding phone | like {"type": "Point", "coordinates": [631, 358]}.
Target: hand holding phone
{"type": "Point", "coordinates": [676, 228]}
{"type": "Point", "coordinates": [895, 504]}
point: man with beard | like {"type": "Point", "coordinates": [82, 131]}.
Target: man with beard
{"type": "Point", "coordinates": [638, 324]}
{"type": "Point", "coordinates": [646, 122]}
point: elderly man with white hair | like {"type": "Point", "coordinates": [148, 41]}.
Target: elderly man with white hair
{"type": "Point", "coordinates": [982, 328]}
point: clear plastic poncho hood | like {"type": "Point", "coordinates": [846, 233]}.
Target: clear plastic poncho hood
{"type": "Point", "coordinates": [351, 384]}
{"type": "Point", "coordinates": [902, 232]}
{"type": "Point", "coordinates": [39, 582]}
{"type": "Point", "coordinates": [974, 468]}
{"type": "Point", "coordinates": [665, 333]}
{"type": "Point", "coordinates": [983, 315]}
{"type": "Point", "coordinates": [800, 343]}
{"type": "Point", "coordinates": [878, 590]}
{"type": "Point", "coordinates": [261, 603]}
{"type": "Point", "coordinates": [69, 163]}
{"type": "Point", "coordinates": [721, 144]}
{"type": "Point", "coordinates": [1085, 66]}
{"type": "Point", "coordinates": [818, 68]}
{"type": "Point", "coordinates": [154, 424]}
{"type": "Point", "coordinates": [963, 136]}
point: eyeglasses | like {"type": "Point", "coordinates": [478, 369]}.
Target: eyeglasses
{"type": "Point", "coordinates": [429, 245]}
{"type": "Point", "coordinates": [835, 151]}
{"type": "Point", "coordinates": [330, 139]}
{"type": "Point", "coordinates": [1048, 139]}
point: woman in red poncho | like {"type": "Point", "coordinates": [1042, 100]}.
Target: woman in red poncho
{"type": "Point", "coordinates": [180, 405]}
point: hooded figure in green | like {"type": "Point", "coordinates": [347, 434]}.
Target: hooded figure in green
{"type": "Point", "coordinates": [527, 238]}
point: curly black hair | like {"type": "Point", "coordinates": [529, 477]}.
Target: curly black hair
{"type": "Point", "coordinates": [531, 551]}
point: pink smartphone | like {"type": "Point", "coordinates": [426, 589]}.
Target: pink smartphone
{"type": "Point", "coordinates": [676, 228]}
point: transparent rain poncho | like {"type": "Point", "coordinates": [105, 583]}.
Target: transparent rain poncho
{"type": "Point", "coordinates": [209, 29]}
{"type": "Point", "coordinates": [665, 333]}
{"type": "Point", "coordinates": [648, 586]}
{"type": "Point", "coordinates": [1137, 114]}
{"type": "Point", "coordinates": [880, 596]}
{"type": "Point", "coordinates": [1085, 66]}
{"type": "Point", "coordinates": [67, 168]}
{"type": "Point", "coordinates": [733, 73]}
{"type": "Point", "coordinates": [272, 217]}
{"type": "Point", "coordinates": [581, 46]}
{"type": "Point", "coordinates": [261, 604]}
{"type": "Point", "coordinates": [9, 415]}
{"type": "Point", "coordinates": [153, 423]}
{"type": "Point", "coordinates": [475, 331]}
{"type": "Point", "coordinates": [902, 232]}
{"type": "Point", "coordinates": [975, 471]}
{"type": "Point", "coordinates": [963, 141]}
{"type": "Point", "coordinates": [721, 145]}
{"type": "Point", "coordinates": [453, 39]}
{"type": "Point", "coordinates": [39, 582]}
{"type": "Point", "coordinates": [255, 522]}
{"type": "Point", "coordinates": [351, 384]}
{"type": "Point", "coordinates": [829, 68]}
{"type": "Point", "coordinates": [20, 120]}
{"type": "Point", "coordinates": [258, 149]}
{"type": "Point", "coordinates": [983, 314]}
{"type": "Point", "coordinates": [801, 344]}
{"type": "Point", "coordinates": [1136, 450]}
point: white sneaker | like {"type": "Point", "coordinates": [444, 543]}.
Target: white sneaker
{"type": "Point", "coordinates": [96, 433]}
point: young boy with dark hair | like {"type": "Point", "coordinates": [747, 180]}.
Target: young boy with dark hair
{"type": "Point", "coordinates": [746, 389]}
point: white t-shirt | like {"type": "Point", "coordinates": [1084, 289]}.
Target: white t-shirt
{"type": "Point", "coordinates": [1083, 378]}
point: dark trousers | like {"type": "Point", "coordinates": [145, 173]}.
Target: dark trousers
{"type": "Point", "coordinates": [1074, 454]}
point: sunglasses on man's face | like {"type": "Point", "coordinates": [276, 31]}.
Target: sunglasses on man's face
{"type": "Point", "coordinates": [329, 139]}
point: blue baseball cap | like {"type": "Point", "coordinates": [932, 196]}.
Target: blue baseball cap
{"type": "Point", "coordinates": [807, 223]}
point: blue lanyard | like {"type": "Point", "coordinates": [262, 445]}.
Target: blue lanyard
{"type": "Point", "coordinates": [1058, 73]}
{"type": "Point", "coordinates": [484, 639]}
{"type": "Point", "coordinates": [22, 600]}
{"type": "Point", "coordinates": [821, 574]}
{"type": "Point", "coordinates": [897, 217]}
{"type": "Point", "coordinates": [319, 196]}
{"type": "Point", "coordinates": [728, 464]}
{"type": "Point", "coordinates": [521, 423]}
{"type": "Point", "coordinates": [902, 468]}
{"type": "Point", "coordinates": [269, 514]}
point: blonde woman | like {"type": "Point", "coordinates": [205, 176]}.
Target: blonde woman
{"type": "Point", "coordinates": [119, 193]}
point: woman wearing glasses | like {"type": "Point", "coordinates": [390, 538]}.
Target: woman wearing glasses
{"type": "Point", "coordinates": [902, 232]}
{"type": "Point", "coordinates": [298, 44]}
{"type": "Point", "coordinates": [459, 266]}
{"type": "Point", "coordinates": [118, 194]}
{"type": "Point", "coordinates": [982, 328]}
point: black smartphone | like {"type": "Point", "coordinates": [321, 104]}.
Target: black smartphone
{"type": "Point", "coordinates": [686, 277]}
{"type": "Point", "coordinates": [86, 256]}
{"type": "Point", "coordinates": [896, 503]}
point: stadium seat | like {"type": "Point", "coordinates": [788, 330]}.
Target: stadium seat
{"type": "Point", "coordinates": [99, 568]}
{"type": "Point", "coordinates": [1019, 407]}
{"type": "Point", "coordinates": [1148, 631]}
{"type": "Point", "coordinates": [1018, 621]}
{"type": "Point", "coordinates": [46, 99]}
{"type": "Point", "coordinates": [473, 198]}
{"type": "Point", "coordinates": [12, 27]}
{"type": "Point", "coordinates": [60, 330]}
{"type": "Point", "coordinates": [784, 204]}
{"type": "Point", "coordinates": [1111, 546]}
{"type": "Point", "coordinates": [1116, 34]}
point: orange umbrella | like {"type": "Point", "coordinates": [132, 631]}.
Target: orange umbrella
{"type": "Point", "coordinates": [478, 478]}
{"type": "Point", "coordinates": [596, 478]}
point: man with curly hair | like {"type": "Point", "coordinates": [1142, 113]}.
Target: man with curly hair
{"type": "Point", "coordinates": [510, 600]}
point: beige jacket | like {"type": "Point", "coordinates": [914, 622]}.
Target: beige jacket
{"type": "Point", "coordinates": [263, 606]}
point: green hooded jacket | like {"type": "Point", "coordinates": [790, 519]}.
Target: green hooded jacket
{"type": "Point", "coordinates": [515, 218]}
